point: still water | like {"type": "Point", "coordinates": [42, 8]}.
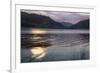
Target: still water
{"type": "Point", "coordinates": [54, 45]}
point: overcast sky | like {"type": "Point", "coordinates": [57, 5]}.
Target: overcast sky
{"type": "Point", "coordinates": [71, 17]}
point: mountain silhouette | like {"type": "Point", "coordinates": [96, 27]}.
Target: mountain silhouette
{"type": "Point", "coordinates": [66, 24]}
{"type": "Point", "coordinates": [81, 25]}
{"type": "Point", "coordinates": [39, 21]}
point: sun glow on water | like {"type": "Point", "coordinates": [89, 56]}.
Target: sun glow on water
{"type": "Point", "coordinates": [38, 31]}
{"type": "Point", "coordinates": [38, 52]}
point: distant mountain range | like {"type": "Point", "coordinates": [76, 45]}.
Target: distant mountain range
{"type": "Point", "coordinates": [81, 25]}
{"type": "Point", "coordinates": [40, 21]}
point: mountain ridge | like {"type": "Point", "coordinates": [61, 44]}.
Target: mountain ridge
{"type": "Point", "coordinates": [41, 21]}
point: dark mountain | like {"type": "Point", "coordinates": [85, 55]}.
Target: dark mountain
{"type": "Point", "coordinates": [39, 21]}
{"type": "Point", "coordinates": [67, 25]}
{"type": "Point", "coordinates": [81, 25]}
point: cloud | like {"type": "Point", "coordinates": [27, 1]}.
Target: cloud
{"type": "Point", "coordinates": [71, 17]}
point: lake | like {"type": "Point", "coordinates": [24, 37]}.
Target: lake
{"type": "Point", "coordinates": [42, 45]}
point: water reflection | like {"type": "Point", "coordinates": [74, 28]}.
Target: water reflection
{"type": "Point", "coordinates": [38, 52]}
{"type": "Point", "coordinates": [38, 31]}
{"type": "Point", "coordinates": [39, 45]}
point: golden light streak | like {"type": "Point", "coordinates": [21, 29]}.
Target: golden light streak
{"type": "Point", "coordinates": [38, 31]}
{"type": "Point", "coordinates": [38, 52]}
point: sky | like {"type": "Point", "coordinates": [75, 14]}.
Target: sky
{"type": "Point", "coordinates": [61, 16]}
